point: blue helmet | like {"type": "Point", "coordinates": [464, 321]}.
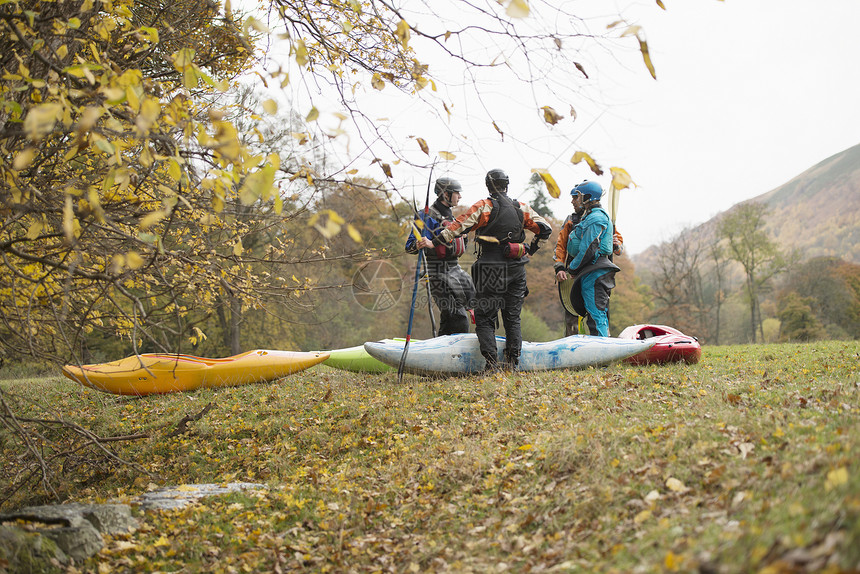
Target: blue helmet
{"type": "Point", "coordinates": [590, 190]}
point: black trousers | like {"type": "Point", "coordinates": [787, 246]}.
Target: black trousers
{"type": "Point", "coordinates": [571, 324]}
{"type": "Point", "coordinates": [453, 292]}
{"type": "Point", "coordinates": [501, 287]}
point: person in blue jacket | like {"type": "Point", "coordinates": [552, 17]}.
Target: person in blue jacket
{"type": "Point", "coordinates": [450, 286]}
{"type": "Point", "coordinates": [589, 247]}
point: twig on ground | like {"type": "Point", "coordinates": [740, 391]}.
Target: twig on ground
{"type": "Point", "coordinates": [182, 425]}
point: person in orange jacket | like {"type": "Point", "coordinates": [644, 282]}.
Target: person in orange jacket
{"type": "Point", "coordinates": [499, 223]}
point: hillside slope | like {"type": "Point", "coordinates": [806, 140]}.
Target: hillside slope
{"type": "Point", "coordinates": [817, 212]}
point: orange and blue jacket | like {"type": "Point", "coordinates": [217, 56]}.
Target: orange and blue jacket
{"type": "Point", "coordinates": [561, 256]}
{"type": "Point", "coordinates": [478, 216]}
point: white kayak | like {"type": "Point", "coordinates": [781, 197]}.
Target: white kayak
{"type": "Point", "coordinates": [452, 354]}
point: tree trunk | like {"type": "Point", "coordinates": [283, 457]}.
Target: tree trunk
{"type": "Point", "coordinates": [235, 320]}
{"type": "Point", "coordinates": [752, 294]}
{"type": "Point", "coordinates": [231, 325]}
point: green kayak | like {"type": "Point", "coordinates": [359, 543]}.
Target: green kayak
{"type": "Point", "coordinates": [357, 360]}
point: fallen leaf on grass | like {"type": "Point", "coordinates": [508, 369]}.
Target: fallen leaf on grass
{"type": "Point", "coordinates": [836, 478]}
{"type": "Point", "coordinates": [745, 448]}
{"type": "Point", "coordinates": [676, 485]}
{"type": "Point", "coordinates": [642, 517]}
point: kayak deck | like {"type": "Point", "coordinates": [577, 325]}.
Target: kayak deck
{"type": "Point", "coordinates": [158, 373]}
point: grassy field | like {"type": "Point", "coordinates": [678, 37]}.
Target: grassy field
{"type": "Point", "coordinates": [746, 462]}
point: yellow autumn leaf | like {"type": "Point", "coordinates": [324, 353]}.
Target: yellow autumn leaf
{"type": "Point", "coordinates": [646, 55]}
{"type": "Point", "coordinates": [24, 158]}
{"type": "Point", "coordinates": [582, 156]}
{"type": "Point", "coordinates": [620, 178]}
{"type": "Point", "coordinates": [114, 95]}
{"type": "Point", "coordinates": [517, 9]}
{"type": "Point", "coordinates": [238, 248]}
{"type": "Point", "coordinates": [89, 117]}
{"type": "Point", "coordinates": [149, 34]}
{"type": "Point", "coordinates": [551, 116]}
{"type": "Point", "coordinates": [660, 4]}
{"type": "Point", "coordinates": [150, 109]}
{"type": "Point", "coordinates": [124, 545]}
{"type": "Point", "coordinates": [333, 223]}
{"type": "Point", "coordinates": [34, 230]}
{"type": "Point", "coordinates": [313, 115]}
{"type": "Point", "coordinates": [671, 561]}
{"type": "Point", "coordinates": [174, 170]}
{"type": "Point", "coordinates": [301, 53]}
{"type": "Point", "coordinates": [270, 107]}
{"type": "Point", "coordinates": [836, 478]}
{"type": "Point", "coordinates": [131, 97]}
{"type": "Point", "coordinates": [642, 517]}
{"type": "Point", "coordinates": [447, 155]}
{"type": "Point", "coordinates": [386, 169]}
{"type": "Point", "coordinates": [252, 23]}
{"type": "Point", "coordinates": [40, 120]}
{"type": "Point", "coordinates": [191, 76]}
{"type": "Point", "coordinates": [70, 223]}
{"type": "Point", "coordinates": [403, 33]}
{"type": "Point", "coordinates": [631, 31]}
{"type": "Point", "coordinates": [675, 485]}
{"type": "Point", "coordinates": [151, 219]}
{"type": "Point", "coordinates": [423, 145]}
{"type": "Point", "coordinates": [335, 216]}
{"type": "Point", "coordinates": [377, 82]}
{"type": "Point", "coordinates": [133, 260]}
{"type": "Point", "coordinates": [353, 233]}
{"type": "Point", "coordinates": [551, 185]}
{"type": "Point", "coordinates": [183, 58]}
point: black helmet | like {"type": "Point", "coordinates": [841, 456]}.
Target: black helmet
{"type": "Point", "coordinates": [496, 180]}
{"type": "Point", "coordinates": [446, 184]}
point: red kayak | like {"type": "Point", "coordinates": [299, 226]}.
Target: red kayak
{"type": "Point", "coordinates": [672, 346]}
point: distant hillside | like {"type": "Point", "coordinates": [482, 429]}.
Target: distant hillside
{"type": "Point", "coordinates": [817, 212]}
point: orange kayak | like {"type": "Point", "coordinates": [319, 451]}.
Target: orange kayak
{"type": "Point", "coordinates": [157, 373]}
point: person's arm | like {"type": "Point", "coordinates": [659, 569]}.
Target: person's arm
{"type": "Point", "coordinates": [534, 222]}
{"type": "Point", "coordinates": [412, 245]}
{"type": "Point", "coordinates": [560, 255]}
{"type": "Point", "coordinates": [410, 242]}
{"type": "Point", "coordinates": [475, 217]}
{"type": "Point", "coordinates": [617, 242]}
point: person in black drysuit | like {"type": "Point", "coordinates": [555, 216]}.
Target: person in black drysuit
{"type": "Point", "coordinates": [451, 287]}
{"type": "Point", "coordinates": [499, 272]}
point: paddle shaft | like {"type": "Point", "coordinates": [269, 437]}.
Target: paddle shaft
{"type": "Point", "coordinates": [421, 257]}
{"type": "Point", "coordinates": [430, 303]}
{"type": "Point", "coordinates": [411, 317]}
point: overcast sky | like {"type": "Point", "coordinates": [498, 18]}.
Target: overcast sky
{"type": "Point", "coordinates": [749, 93]}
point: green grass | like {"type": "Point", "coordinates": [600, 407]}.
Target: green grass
{"type": "Point", "coordinates": [745, 462]}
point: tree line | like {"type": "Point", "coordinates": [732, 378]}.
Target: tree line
{"type": "Point", "coordinates": [732, 283]}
